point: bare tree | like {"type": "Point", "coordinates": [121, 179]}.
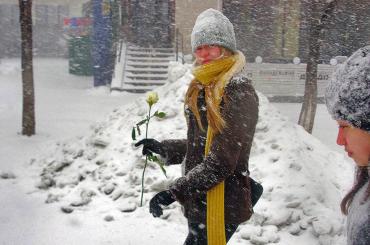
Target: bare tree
{"type": "Point", "coordinates": [28, 116]}
{"type": "Point", "coordinates": [319, 15]}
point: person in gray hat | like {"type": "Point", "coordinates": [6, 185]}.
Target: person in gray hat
{"type": "Point", "coordinates": [348, 101]}
{"type": "Point", "coordinates": [221, 108]}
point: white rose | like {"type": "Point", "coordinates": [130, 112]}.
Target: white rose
{"type": "Point", "coordinates": [152, 98]}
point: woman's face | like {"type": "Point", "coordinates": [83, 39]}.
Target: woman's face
{"type": "Point", "coordinates": [207, 53]}
{"type": "Point", "coordinates": [356, 142]}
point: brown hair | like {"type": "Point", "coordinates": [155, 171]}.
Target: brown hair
{"type": "Point", "coordinates": [362, 178]}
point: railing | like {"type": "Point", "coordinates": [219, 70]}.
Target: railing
{"type": "Point", "coordinates": [125, 62]}
{"type": "Point", "coordinates": [179, 37]}
{"type": "Point", "coordinates": [120, 65]}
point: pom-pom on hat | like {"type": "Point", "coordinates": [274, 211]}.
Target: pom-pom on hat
{"type": "Point", "coordinates": [348, 92]}
{"type": "Point", "coordinates": [213, 28]}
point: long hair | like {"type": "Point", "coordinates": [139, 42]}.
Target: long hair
{"type": "Point", "coordinates": [362, 178]}
{"type": "Point", "coordinates": [215, 120]}
{"type": "Point", "coordinates": [214, 117]}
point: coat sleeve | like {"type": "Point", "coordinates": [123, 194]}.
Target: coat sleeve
{"type": "Point", "coordinates": [175, 151]}
{"type": "Point", "coordinates": [240, 113]}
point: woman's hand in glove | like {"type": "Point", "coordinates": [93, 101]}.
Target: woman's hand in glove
{"type": "Point", "coordinates": [151, 146]}
{"type": "Point", "coordinates": [162, 198]}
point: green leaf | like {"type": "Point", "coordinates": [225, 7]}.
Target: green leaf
{"type": "Point", "coordinates": [141, 122]}
{"type": "Point", "coordinates": [150, 157]}
{"type": "Point", "coordinates": [159, 162]}
{"type": "Point", "coordinates": [138, 129]}
{"type": "Point", "coordinates": [162, 168]}
{"type": "Point", "coordinates": [160, 114]}
{"type": "Point", "coordinates": [133, 134]}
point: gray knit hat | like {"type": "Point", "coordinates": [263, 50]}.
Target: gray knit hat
{"type": "Point", "coordinates": [212, 27]}
{"type": "Point", "coordinates": [348, 92]}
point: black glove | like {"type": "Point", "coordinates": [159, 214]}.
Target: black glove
{"type": "Point", "coordinates": [162, 198]}
{"type": "Point", "coordinates": [151, 146]}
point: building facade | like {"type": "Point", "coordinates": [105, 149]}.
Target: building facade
{"type": "Point", "coordinates": [148, 22]}
{"type": "Point", "coordinates": [276, 30]}
{"type": "Point", "coordinates": [48, 26]}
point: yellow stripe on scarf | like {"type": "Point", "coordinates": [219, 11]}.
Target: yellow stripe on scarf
{"type": "Point", "coordinates": [215, 207]}
{"type": "Point", "coordinates": [215, 196]}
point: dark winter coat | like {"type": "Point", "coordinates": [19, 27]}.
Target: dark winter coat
{"type": "Point", "coordinates": [227, 159]}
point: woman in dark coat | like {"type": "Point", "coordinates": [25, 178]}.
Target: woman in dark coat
{"type": "Point", "coordinates": [348, 101]}
{"type": "Point", "coordinates": [221, 109]}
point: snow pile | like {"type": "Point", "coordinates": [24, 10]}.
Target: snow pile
{"type": "Point", "coordinates": [303, 182]}
{"type": "Point", "coordinates": [176, 70]}
{"type": "Point", "coordinates": [302, 178]}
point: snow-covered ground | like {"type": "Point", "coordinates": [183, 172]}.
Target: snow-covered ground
{"type": "Point", "coordinates": [82, 161]}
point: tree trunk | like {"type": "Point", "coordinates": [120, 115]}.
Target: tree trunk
{"type": "Point", "coordinates": [28, 116]}
{"type": "Point", "coordinates": [307, 115]}
{"type": "Point", "coordinates": [317, 22]}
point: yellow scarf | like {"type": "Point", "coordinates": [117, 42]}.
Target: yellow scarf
{"type": "Point", "coordinates": [214, 77]}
